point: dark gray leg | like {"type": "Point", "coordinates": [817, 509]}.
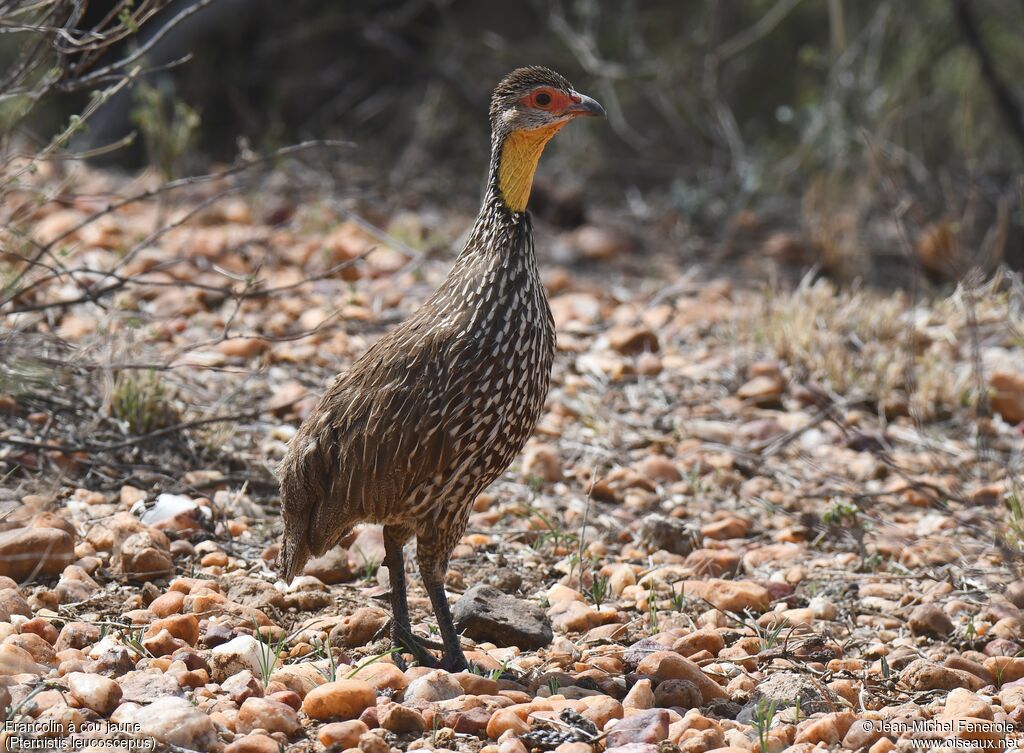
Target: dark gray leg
{"type": "Point", "coordinates": [401, 627]}
{"type": "Point", "coordinates": [433, 566]}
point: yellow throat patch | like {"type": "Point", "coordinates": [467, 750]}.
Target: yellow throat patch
{"type": "Point", "coordinates": [519, 156]}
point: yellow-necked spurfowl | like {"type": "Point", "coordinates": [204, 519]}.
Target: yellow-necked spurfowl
{"type": "Point", "coordinates": [440, 406]}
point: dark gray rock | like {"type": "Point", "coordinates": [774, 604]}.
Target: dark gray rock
{"type": "Point", "coordinates": [660, 532]}
{"type": "Point", "coordinates": [721, 708]}
{"type": "Point", "coordinates": [640, 650]}
{"type": "Point", "coordinates": [928, 619]}
{"type": "Point", "coordinates": [784, 689]}
{"type": "Point", "coordinates": [681, 694]}
{"type": "Point", "coordinates": [215, 634]}
{"type": "Point", "coordinates": [486, 614]}
{"type": "Point", "coordinates": [112, 663]}
{"type": "Point", "coordinates": [505, 579]}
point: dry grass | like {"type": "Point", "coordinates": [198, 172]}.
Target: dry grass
{"type": "Point", "coordinates": [142, 400]}
{"type": "Point", "coordinates": [865, 345]}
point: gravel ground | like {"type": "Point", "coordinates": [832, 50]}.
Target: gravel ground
{"type": "Point", "coordinates": [751, 519]}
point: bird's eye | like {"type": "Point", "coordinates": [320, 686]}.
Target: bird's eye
{"type": "Point", "coordinates": [542, 99]}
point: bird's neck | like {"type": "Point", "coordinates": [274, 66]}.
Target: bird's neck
{"type": "Point", "coordinates": [502, 232]}
{"type": "Point", "coordinates": [514, 158]}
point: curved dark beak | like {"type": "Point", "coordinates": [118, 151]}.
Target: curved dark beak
{"type": "Point", "coordinates": [586, 106]}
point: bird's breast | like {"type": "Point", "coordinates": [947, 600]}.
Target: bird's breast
{"type": "Point", "coordinates": [500, 363]}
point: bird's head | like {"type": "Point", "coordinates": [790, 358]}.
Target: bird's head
{"type": "Point", "coordinates": [529, 107]}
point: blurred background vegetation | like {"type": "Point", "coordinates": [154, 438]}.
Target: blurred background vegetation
{"type": "Point", "coordinates": [868, 138]}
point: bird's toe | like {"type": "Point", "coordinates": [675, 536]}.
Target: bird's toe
{"type": "Point", "coordinates": [418, 648]}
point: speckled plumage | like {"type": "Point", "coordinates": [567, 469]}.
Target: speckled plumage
{"type": "Point", "coordinates": [435, 410]}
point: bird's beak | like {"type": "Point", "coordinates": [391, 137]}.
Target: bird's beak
{"type": "Point", "coordinates": [584, 105]}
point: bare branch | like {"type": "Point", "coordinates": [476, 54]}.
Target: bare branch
{"type": "Point", "coordinates": [764, 26]}
{"type": "Point", "coordinates": [1007, 104]}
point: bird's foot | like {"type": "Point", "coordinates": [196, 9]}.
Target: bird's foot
{"type": "Point", "coordinates": [455, 662]}
{"type": "Point", "coordinates": [405, 642]}
{"type": "Point", "coordinates": [398, 660]}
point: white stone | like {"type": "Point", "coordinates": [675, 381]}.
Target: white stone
{"type": "Point", "coordinates": [125, 713]}
{"type": "Point", "coordinates": [822, 608]}
{"type": "Point", "coordinates": [167, 506]}
{"type": "Point", "coordinates": [96, 692]}
{"type": "Point", "coordinates": [105, 644]}
{"type": "Point", "coordinates": [243, 652]}
{"type": "Point", "coordinates": [175, 721]}
{"type": "Point", "coordinates": [434, 686]}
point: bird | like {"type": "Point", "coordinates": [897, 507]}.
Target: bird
{"type": "Point", "coordinates": [441, 405]}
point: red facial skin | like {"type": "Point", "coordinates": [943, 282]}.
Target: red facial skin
{"type": "Point", "coordinates": [559, 104]}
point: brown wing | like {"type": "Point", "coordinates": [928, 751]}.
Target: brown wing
{"type": "Point", "coordinates": [376, 434]}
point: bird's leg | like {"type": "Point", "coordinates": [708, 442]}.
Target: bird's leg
{"type": "Point", "coordinates": [401, 627]}
{"type": "Point", "coordinates": [432, 569]}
